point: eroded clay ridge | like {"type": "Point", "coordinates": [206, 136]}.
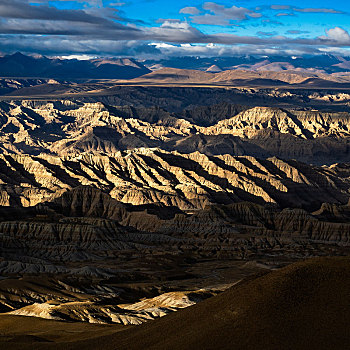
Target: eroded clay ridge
{"type": "Point", "coordinates": [85, 235]}
{"type": "Point", "coordinates": [89, 228]}
{"type": "Point", "coordinates": [69, 128]}
{"type": "Point", "coordinates": [186, 181]}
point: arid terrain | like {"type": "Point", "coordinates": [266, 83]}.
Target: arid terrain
{"type": "Point", "coordinates": [218, 199]}
{"type": "Point", "coordinates": [303, 304]}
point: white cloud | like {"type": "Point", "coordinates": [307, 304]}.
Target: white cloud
{"type": "Point", "coordinates": [162, 45]}
{"type": "Point", "coordinates": [338, 34]}
{"type": "Point", "coordinates": [232, 13]}
{"type": "Point", "coordinates": [77, 57]}
{"type": "Point", "coordinates": [217, 14]}
{"type": "Point", "coordinates": [211, 20]}
{"type": "Point", "coordinates": [190, 10]}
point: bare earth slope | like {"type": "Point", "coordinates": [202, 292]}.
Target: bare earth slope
{"type": "Point", "coordinates": [239, 77]}
{"type": "Point", "coordinates": [303, 306]}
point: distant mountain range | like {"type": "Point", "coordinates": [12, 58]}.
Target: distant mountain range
{"type": "Point", "coordinates": [320, 63]}
{"type": "Point", "coordinates": [258, 78]}
{"type": "Point", "coordinates": [22, 66]}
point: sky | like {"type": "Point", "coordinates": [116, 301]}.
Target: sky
{"type": "Point", "coordinates": [148, 29]}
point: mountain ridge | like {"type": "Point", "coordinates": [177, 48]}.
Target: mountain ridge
{"type": "Point", "coordinates": [20, 66]}
{"type": "Point", "coordinates": [70, 127]}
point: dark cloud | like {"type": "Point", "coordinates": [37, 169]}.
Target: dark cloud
{"type": "Point", "coordinates": [260, 33]}
{"type": "Point", "coordinates": [211, 20]}
{"type": "Point", "coordinates": [23, 10]}
{"type": "Point", "coordinates": [280, 7]}
{"type": "Point", "coordinates": [268, 21]}
{"type": "Point", "coordinates": [209, 45]}
{"type": "Point", "coordinates": [281, 14]}
{"type": "Point", "coordinates": [306, 10]}
{"type": "Point", "coordinates": [169, 32]}
{"type": "Point", "coordinates": [317, 10]}
{"type": "Point", "coordinates": [118, 31]}
{"type": "Point", "coordinates": [19, 17]}
{"type": "Point", "coordinates": [293, 31]}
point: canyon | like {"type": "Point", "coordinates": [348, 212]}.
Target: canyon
{"type": "Point", "coordinates": [126, 205]}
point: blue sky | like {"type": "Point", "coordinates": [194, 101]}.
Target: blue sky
{"type": "Point", "coordinates": [155, 28]}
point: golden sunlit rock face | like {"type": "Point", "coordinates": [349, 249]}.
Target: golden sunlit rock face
{"type": "Point", "coordinates": [67, 128]}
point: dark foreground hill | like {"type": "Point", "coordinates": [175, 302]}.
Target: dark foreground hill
{"type": "Point", "coordinates": [303, 306]}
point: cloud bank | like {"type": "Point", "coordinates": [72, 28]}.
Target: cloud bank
{"type": "Point", "coordinates": [105, 30]}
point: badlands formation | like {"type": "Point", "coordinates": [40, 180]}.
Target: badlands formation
{"type": "Point", "coordinates": [302, 304]}
{"type": "Point", "coordinates": [119, 214]}
{"type": "Point", "coordinates": [67, 128]}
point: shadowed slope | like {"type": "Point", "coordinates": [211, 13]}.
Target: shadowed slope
{"type": "Point", "coordinates": [303, 306]}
